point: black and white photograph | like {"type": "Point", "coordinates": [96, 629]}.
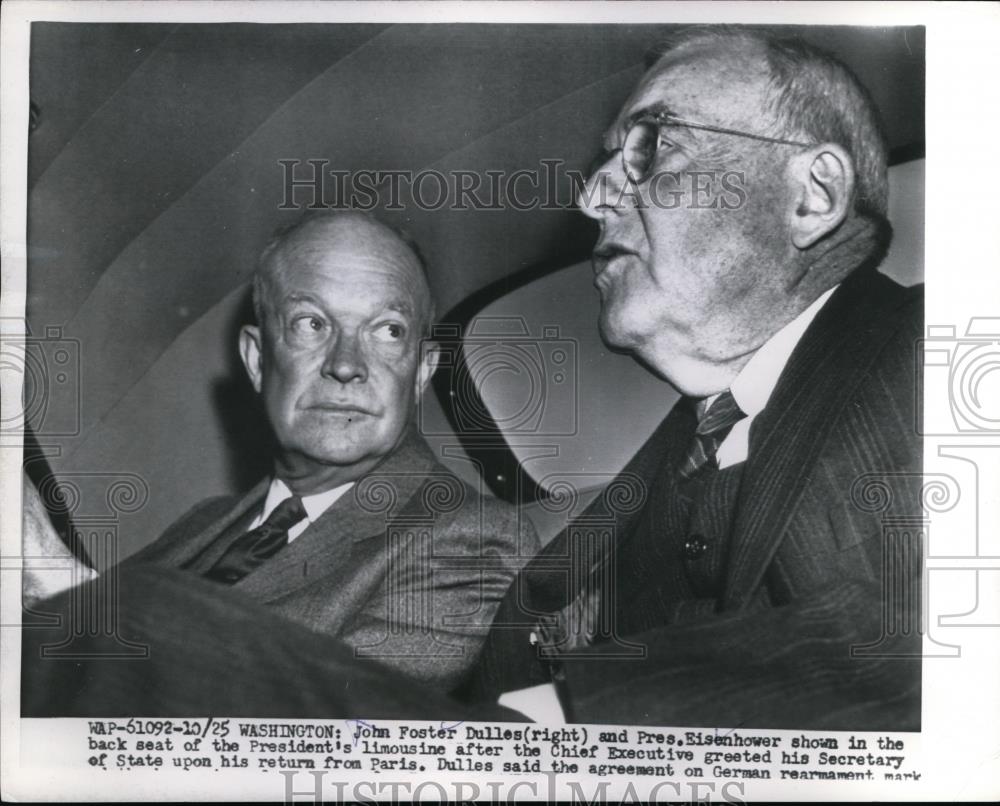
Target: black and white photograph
{"type": "Point", "coordinates": [499, 401]}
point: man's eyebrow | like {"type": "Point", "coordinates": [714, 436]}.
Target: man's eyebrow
{"type": "Point", "coordinates": [401, 306]}
{"type": "Point", "coordinates": [301, 296]}
{"type": "Point", "coordinates": [657, 109]}
{"type": "Point", "coordinates": [398, 305]}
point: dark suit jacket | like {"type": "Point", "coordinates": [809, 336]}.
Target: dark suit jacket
{"type": "Point", "coordinates": [408, 567]}
{"type": "Point", "coordinates": [808, 632]}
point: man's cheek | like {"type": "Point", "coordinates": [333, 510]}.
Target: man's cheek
{"type": "Point", "coordinates": [392, 370]}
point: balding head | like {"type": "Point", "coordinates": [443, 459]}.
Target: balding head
{"type": "Point", "coordinates": [347, 232]}
{"type": "Point", "coordinates": [695, 287]}
{"type": "Point", "coordinates": [811, 95]}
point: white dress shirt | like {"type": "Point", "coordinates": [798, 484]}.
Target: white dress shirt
{"type": "Point", "coordinates": [752, 388]}
{"type": "Point", "coordinates": [314, 505]}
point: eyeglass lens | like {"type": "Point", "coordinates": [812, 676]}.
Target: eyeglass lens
{"type": "Point", "coordinates": [639, 149]}
{"type": "Point", "coordinates": [638, 152]}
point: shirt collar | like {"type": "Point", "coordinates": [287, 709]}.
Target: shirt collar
{"type": "Point", "coordinates": [752, 388]}
{"type": "Point", "coordinates": [314, 505]}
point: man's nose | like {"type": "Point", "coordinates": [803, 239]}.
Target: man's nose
{"type": "Point", "coordinates": [603, 192]}
{"type": "Point", "coordinates": [345, 361]}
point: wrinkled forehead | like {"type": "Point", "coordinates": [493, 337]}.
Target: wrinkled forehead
{"type": "Point", "coordinates": [350, 264]}
{"type": "Point", "coordinates": [347, 240]}
{"type": "Point", "coordinates": [359, 255]}
{"type": "Point", "coordinates": [706, 82]}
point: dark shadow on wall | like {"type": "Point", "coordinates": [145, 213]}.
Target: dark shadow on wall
{"type": "Point", "coordinates": [248, 437]}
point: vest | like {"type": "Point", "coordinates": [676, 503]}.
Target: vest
{"type": "Point", "coordinates": [673, 565]}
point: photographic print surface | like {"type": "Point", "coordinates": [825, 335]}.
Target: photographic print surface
{"type": "Point", "coordinates": [487, 401]}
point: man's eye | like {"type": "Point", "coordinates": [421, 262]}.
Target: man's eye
{"type": "Point", "coordinates": [390, 332]}
{"type": "Point", "coordinates": [308, 325]}
{"type": "Point", "coordinates": [665, 143]}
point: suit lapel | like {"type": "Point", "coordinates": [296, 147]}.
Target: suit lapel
{"type": "Point", "coordinates": [207, 540]}
{"type": "Point", "coordinates": [786, 439]}
{"type": "Point", "coordinates": [360, 514]}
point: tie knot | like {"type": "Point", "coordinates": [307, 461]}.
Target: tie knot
{"type": "Point", "coordinates": [288, 513]}
{"type": "Point", "coordinates": [722, 415]}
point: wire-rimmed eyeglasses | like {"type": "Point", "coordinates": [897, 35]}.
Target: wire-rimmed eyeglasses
{"type": "Point", "coordinates": [643, 140]}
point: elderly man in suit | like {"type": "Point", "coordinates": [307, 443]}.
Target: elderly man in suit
{"type": "Point", "coordinates": [755, 585]}
{"type": "Point", "coordinates": [751, 579]}
{"type": "Point", "coordinates": [352, 534]}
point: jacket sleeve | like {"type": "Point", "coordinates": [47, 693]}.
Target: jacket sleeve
{"type": "Point", "coordinates": [441, 592]}
{"type": "Point", "coordinates": [804, 664]}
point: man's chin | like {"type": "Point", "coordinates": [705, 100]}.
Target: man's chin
{"type": "Point", "coordinates": [319, 467]}
{"type": "Point", "coordinates": [612, 333]}
{"type": "Point", "coordinates": [336, 443]}
{"type": "Point", "coordinates": [342, 454]}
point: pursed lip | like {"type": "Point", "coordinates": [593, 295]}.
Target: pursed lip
{"type": "Point", "coordinates": [340, 408]}
{"type": "Point", "coordinates": [606, 252]}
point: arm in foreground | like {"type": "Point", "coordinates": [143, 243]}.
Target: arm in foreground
{"type": "Point", "coordinates": [440, 598]}
{"type": "Point", "coordinates": [212, 651]}
{"type": "Point", "coordinates": [824, 662]}
{"type": "Point", "coordinates": [49, 565]}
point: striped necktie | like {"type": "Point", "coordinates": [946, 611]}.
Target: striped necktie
{"type": "Point", "coordinates": [714, 423]}
{"type": "Point", "coordinates": [250, 550]}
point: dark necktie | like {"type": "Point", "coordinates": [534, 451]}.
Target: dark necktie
{"type": "Point", "coordinates": [250, 550]}
{"type": "Point", "coordinates": [713, 425]}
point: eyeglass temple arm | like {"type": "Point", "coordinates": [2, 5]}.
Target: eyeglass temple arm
{"type": "Point", "coordinates": [693, 124]}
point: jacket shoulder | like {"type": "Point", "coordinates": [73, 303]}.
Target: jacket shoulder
{"type": "Point", "coordinates": [480, 519]}
{"type": "Point", "coordinates": [193, 522]}
{"type": "Point", "coordinates": [897, 352]}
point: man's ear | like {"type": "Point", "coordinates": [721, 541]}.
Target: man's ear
{"type": "Point", "coordinates": [250, 352]}
{"type": "Point", "coordinates": [824, 187]}
{"type": "Point", "coordinates": [430, 355]}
